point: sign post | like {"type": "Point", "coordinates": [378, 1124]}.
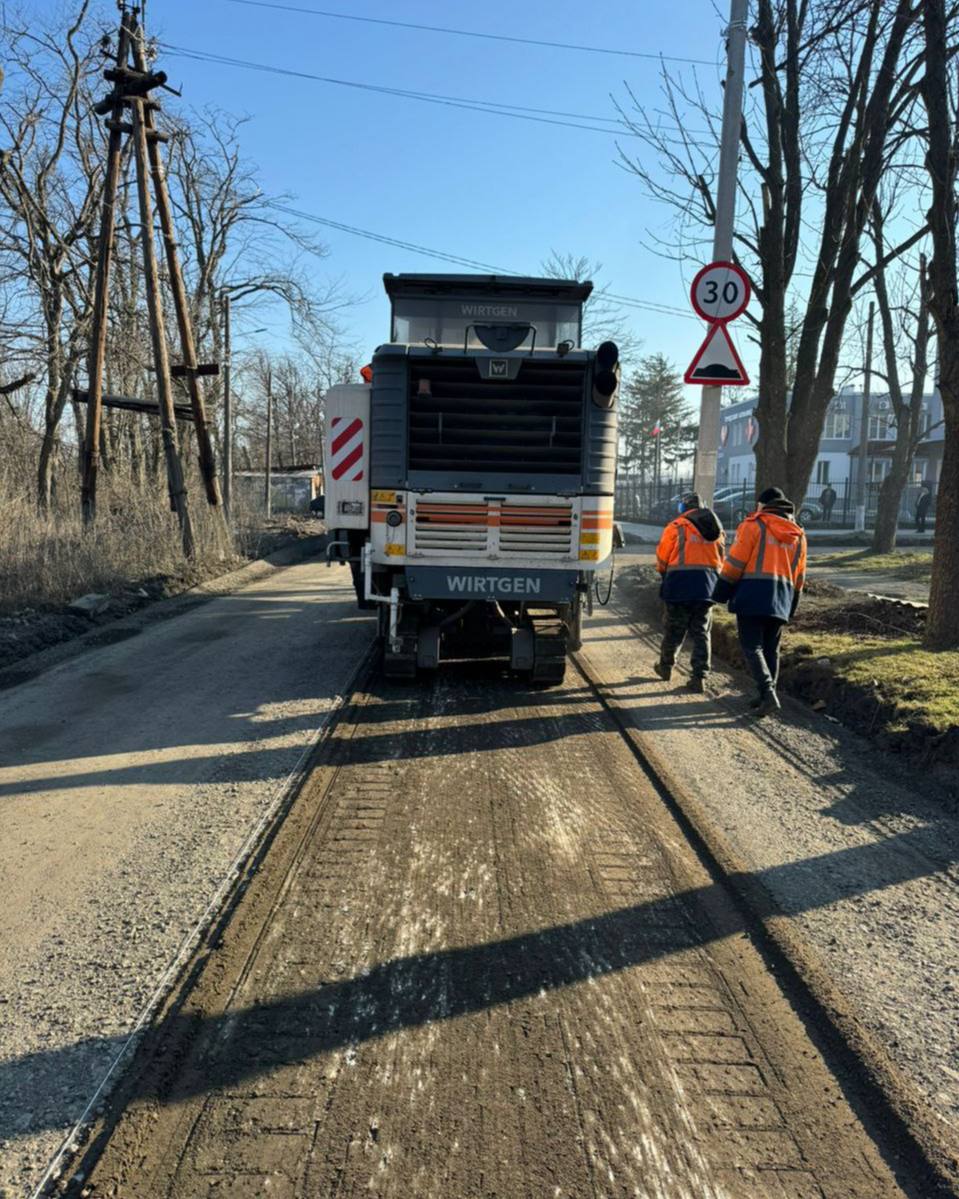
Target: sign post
{"type": "Point", "coordinates": [709, 422]}
{"type": "Point", "coordinates": [719, 293]}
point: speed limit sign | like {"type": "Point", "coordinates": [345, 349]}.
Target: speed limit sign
{"type": "Point", "coordinates": [720, 292]}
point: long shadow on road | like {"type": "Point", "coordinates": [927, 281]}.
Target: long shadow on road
{"type": "Point", "coordinates": [239, 1045]}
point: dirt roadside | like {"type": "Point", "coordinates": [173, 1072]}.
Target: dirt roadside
{"type": "Point", "coordinates": [482, 961]}
{"type": "Point", "coordinates": [131, 777]}
{"type": "Point", "coordinates": [856, 658]}
{"type": "Point", "coordinates": [36, 640]}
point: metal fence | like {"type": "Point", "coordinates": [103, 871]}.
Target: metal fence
{"type": "Point", "coordinates": [647, 502]}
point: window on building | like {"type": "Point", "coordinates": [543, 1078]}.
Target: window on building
{"type": "Point", "coordinates": [837, 420]}
{"type": "Point", "coordinates": [822, 471]}
{"type": "Point", "coordinates": [880, 425]}
{"type": "Point", "coordinates": [878, 469]}
{"type": "Point", "coordinates": [734, 473]}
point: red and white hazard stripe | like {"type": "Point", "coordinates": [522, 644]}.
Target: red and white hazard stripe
{"type": "Point", "coordinates": [346, 449]}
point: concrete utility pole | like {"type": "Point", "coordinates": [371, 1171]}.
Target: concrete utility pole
{"type": "Point", "coordinates": [227, 409]}
{"type": "Point", "coordinates": [861, 476]}
{"type": "Point", "coordinates": [269, 449]}
{"type": "Point", "coordinates": [707, 446]}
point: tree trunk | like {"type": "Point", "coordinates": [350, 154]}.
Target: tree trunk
{"type": "Point", "coordinates": [772, 413]}
{"type": "Point", "coordinates": [45, 465]}
{"type": "Point", "coordinates": [890, 495]}
{"type": "Point", "coordinates": [942, 622]}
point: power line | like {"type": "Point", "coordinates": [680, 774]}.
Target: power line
{"type": "Point", "coordinates": [489, 107]}
{"type": "Point", "coordinates": [461, 260]}
{"type": "Point", "coordinates": [492, 37]}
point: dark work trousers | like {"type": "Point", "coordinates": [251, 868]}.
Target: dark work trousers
{"type": "Point", "coordinates": [696, 619]}
{"type": "Point", "coordinates": [759, 639]}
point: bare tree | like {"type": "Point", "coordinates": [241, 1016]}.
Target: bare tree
{"type": "Point", "coordinates": [909, 322]}
{"type": "Point", "coordinates": [50, 187]}
{"type": "Point", "coordinates": [603, 318]}
{"type": "Point", "coordinates": [942, 156]}
{"type": "Point", "coordinates": [835, 80]}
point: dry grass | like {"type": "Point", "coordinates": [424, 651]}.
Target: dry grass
{"type": "Point", "coordinates": [901, 564]}
{"type": "Point", "coordinates": [46, 561]}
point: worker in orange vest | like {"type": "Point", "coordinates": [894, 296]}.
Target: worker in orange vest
{"type": "Point", "coordinates": [762, 578]}
{"type": "Point", "coordinates": [689, 557]}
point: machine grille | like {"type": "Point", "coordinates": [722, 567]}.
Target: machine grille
{"type": "Point", "coordinates": [460, 422]}
{"type": "Point", "coordinates": [499, 529]}
{"type": "Point", "coordinates": [535, 532]}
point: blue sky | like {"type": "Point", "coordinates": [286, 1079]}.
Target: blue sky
{"type": "Point", "coordinates": [495, 189]}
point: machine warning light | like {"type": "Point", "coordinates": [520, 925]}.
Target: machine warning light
{"type": "Point", "coordinates": [394, 518]}
{"type": "Point", "coordinates": [606, 377]}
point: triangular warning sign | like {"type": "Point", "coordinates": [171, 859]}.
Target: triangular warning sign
{"type": "Point", "coordinates": [716, 361]}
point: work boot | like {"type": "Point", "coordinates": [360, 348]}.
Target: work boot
{"type": "Point", "coordinates": [697, 683]}
{"type": "Point", "coordinates": [769, 704]}
{"type": "Point", "coordinates": [665, 672]}
{"type": "Point", "coordinates": [755, 703]}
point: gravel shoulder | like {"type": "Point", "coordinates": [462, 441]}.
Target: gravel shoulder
{"type": "Point", "coordinates": [858, 857]}
{"type": "Point", "coordinates": [130, 777]}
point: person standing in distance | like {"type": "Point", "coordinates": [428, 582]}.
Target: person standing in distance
{"type": "Point", "coordinates": [689, 557]}
{"type": "Point", "coordinates": [922, 507]}
{"type": "Point", "coordinates": [762, 578]}
{"type": "Point", "coordinates": [827, 499]}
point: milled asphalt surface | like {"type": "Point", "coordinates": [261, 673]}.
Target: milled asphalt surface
{"type": "Point", "coordinates": [859, 851]}
{"type": "Point", "coordinates": [130, 778]}
{"type": "Point", "coordinates": [481, 962]}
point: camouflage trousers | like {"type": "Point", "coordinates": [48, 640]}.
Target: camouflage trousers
{"type": "Point", "coordinates": [696, 619]}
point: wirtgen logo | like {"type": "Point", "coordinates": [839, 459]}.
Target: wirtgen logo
{"type": "Point", "coordinates": [495, 585]}
{"type": "Point", "coordinates": [488, 310]}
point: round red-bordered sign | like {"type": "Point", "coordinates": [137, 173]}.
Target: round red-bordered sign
{"type": "Point", "coordinates": [720, 292]}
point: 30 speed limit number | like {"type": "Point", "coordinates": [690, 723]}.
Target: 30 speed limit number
{"type": "Point", "coordinates": [720, 292]}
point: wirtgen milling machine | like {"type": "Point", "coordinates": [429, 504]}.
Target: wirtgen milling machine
{"type": "Point", "coordinates": [470, 483]}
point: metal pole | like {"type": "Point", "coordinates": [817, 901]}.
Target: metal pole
{"type": "Point", "coordinates": [269, 448]}
{"type": "Point", "coordinates": [861, 476]}
{"type": "Point", "coordinates": [707, 446]}
{"type": "Point", "coordinates": [227, 409]}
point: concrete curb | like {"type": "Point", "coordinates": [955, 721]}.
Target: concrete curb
{"type": "Point", "coordinates": [165, 609]}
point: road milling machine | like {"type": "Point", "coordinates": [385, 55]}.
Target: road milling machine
{"type": "Point", "coordinates": [470, 481]}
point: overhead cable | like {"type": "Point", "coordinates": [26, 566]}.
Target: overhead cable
{"type": "Point", "coordinates": [490, 107]}
{"type": "Point", "coordinates": [461, 260]}
{"type": "Point", "coordinates": [491, 37]}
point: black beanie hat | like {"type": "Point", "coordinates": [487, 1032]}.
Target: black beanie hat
{"type": "Point", "coordinates": [771, 495]}
{"type": "Point", "coordinates": [691, 500]}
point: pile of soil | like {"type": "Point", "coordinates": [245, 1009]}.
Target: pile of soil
{"type": "Point", "coordinates": [863, 706]}
{"type": "Point", "coordinates": [29, 631]}
{"type": "Point", "coordinates": [32, 630]}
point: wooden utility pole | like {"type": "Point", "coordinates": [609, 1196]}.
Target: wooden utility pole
{"type": "Point", "coordinates": [102, 291]}
{"type": "Point", "coordinates": [131, 94]}
{"type": "Point", "coordinates": [191, 365]}
{"type": "Point", "coordinates": [161, 359]}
